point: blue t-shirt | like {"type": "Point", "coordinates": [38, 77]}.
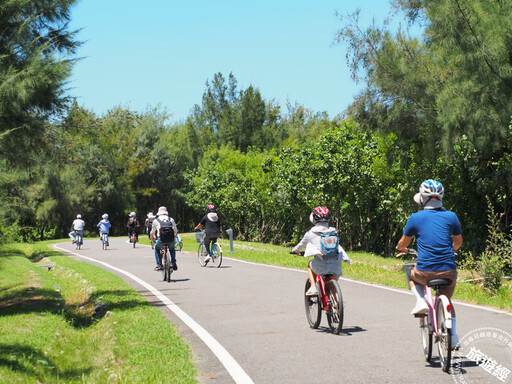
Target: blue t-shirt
{"type": "Point", "coordinates": [104, 226]}
{"type": "Point", "coordinates": [433, 229]}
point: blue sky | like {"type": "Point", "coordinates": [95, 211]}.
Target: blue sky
{"type": "Point", "coordinates": [161, 52]}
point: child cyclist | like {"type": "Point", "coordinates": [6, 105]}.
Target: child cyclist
{"type": "Point", "coordinates": [321, 264]}
{"type": "Point", "coordinates": [104, 225]}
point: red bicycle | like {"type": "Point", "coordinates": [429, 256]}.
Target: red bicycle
{"type": "Point", "coordinates": [329, 299]}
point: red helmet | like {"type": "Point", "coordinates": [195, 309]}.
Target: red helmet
{"type": "Point", "coordinates": [210, 207]}
{"type": "Point", "coordinates": [321, 214]}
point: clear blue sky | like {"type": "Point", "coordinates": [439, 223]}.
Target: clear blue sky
{"type": "Point", "coordinates": [141, 54]}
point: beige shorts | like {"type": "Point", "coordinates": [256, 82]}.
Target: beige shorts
{"type": "Point", "coordinates": [422, 277]}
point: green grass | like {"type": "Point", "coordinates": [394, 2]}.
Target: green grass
{"type": "Point", "coordinates": [365, 267]}
{"type": "Point", "coordinates": [80, 324]}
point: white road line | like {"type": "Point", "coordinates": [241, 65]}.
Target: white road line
{"type": "Point", "coordinates": [231, 365]}
{"type": "Point", "coordinates": [376, 286]}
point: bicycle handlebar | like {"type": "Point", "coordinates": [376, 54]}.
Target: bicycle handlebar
{"type": "Point", "coordinates": [296, 253]}
{"type": "Point", "coordinates": [410, 251]}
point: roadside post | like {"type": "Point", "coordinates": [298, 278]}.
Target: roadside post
{"type": "Point", "coordinates": [229, 231]}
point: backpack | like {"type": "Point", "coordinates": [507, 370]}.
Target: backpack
{"type": "Point", "coordinates": [166, 231]}
{"type": "Point", "coordinates": [329, 242]}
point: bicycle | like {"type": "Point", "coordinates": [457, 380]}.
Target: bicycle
{"type": "Point", "coordinates": [215, 252]}
{"type": "Point", "coordinates": [166, 262]}
{"type": "Point", "coordinates": [436, 324]}
{"type": "Point", "coordinates": [104, 240]}
{"type": "Point", "coordinates": [329, 299]}
{"type": "Point", "coordinates": [78, 240]}
{"type": "Point", "coordinates": [178, 243]}
{"type": "Point", "coordinates": [133, 238]}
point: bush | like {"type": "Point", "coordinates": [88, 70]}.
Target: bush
{"type": "Point", "coordinates": [497, 257]}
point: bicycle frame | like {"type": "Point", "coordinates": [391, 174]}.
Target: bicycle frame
{"type": "Point", "coordinates": [321, 282]}
{"type": "Point", "coordinates": [432, 301]}
{"type": "Point", "coordinates": [104, 239]}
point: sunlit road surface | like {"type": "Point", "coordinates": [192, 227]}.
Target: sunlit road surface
{"type": "Point", "coordinates": [256, 314]}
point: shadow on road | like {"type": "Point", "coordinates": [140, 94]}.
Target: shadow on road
{"type": "Point", "coordinates": [346, 331]}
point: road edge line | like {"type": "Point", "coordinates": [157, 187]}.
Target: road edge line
{"type": "Point", "coordinates": [234, 369]}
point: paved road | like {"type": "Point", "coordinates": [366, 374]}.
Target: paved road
{"type": "Point", "coordinates": [256, 313]}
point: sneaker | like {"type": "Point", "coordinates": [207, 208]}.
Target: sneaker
{"type": "Point", "coordinates": [312, 291]}
{"type": "Point", "coordinates": [420, 308]}
{"type": "Point", "coordinates": [455, 342]}
{"type": "Point", "coordinates": [174, 266]}
{"type": "Point", "coordinates": [207, 259]}
{"type": "Point", "coordinates": [158, 268]}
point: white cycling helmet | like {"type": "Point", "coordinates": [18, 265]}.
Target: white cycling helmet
{"type": "Point", "coordinates": [79, 216]}
{"type": "Point", "coordinates": [104, 216]}
{"type": "Point", "coordinates": [431, 192]}
{"type": "Point", "coordinates": [432, 188]}
{"type": "Point", "coordinates": [132, 214]}
{"type": "Point", "coordinates": [150, 215]}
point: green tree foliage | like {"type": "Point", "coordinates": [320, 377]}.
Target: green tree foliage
{"type": "Point", "coordinates": [237, 185]}
{"type": "Point", "coordinates": [445, 94]}
{"type": "Point", "coordinates": [228, 115]}
{"type": "Point", "coordinates": [346, 170]}
{"type": "Point", "coordinates": [455, 80]}
{"type": "Point", "coordinates": [35, 62]}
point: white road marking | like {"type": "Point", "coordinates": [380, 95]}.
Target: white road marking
{"type": "Point", "coordinates": [231, 365]}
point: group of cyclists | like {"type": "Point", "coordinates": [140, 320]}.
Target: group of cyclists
{"type": "Point", "coordinates": [437, 231]}
{"type": "Point", "coordinates": [438, 237]}
{"type": "Point", "coordinates": [161, 228]}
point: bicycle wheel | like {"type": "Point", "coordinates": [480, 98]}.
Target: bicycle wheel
{"type": "Point", "coordinates": [313, 307]}
{"type": "Point", "coordinates": [426, 337]}
{"type": "Point", "coordinates": [103, 243]}
{"type": "Point", "coordinates": [216, 255]}
{"type": "Point", "coordinates": [444, 340]}
{"type": "Point", "coordinates": [166, 261]}
{"type": "Point", "coordinates": [134, 240]}
{"type": "Point", "coordinates": [335, 311]}
{"type": "Point", "coordinates": [200, 255]}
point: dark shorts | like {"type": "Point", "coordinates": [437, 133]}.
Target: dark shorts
{"type": "Point", "coordinates": [422, 277]}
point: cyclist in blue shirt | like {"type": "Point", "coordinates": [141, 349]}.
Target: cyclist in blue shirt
{"type": "Point", "coordinates": [438, 236]}
{"type": "Point", "coordinates": [104, 225]}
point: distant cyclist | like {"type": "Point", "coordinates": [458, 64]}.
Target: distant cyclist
{"type": "Point", "coordinates": [311, 242]}
{"type": "Point", "coordinates": [133, 225]}
{"type": "Point", "coordinates": [104, 225]}
{"type": "Point", "coordinates": [438, 236]}
{"type": "Point", "coordinates": [211, 224]}
{"type": "Point", "coordinates": [77, 227]}
{"type": "Point", "coordinates": [164, 230]}
{"type": "Point", "coordinates": [149, 223]}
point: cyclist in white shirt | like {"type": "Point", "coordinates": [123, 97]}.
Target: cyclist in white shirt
{"type": "Point", "coordinates": [77, 227]}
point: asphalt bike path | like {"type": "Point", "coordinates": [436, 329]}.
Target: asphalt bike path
{"type": "Point", "coordinates": [245, 323]}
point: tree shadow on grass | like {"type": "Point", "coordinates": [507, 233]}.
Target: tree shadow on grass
{"type": "Point", "coordinates": [28, 361]}
{"type": "Point", "coordinates": [79, 315]}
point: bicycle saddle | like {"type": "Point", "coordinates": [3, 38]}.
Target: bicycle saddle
{"type": "Point", "coordinates": [438, 282]}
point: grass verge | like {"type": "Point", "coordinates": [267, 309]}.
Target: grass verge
{"type": "Point", "coordinates": [79, 323]}
{"type": "Point", "coordinates": [365, 267]}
